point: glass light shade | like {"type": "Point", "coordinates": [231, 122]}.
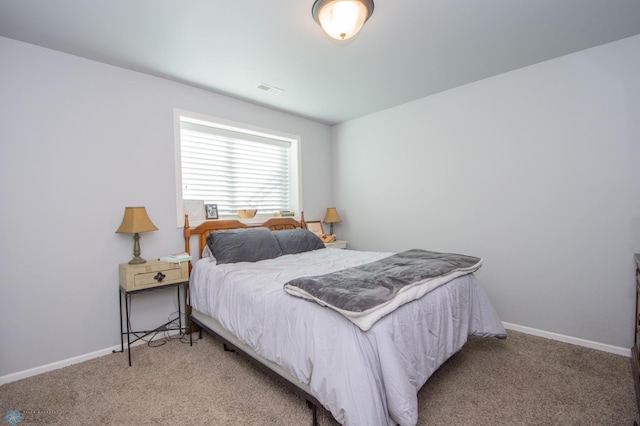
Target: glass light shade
{"type": "Point", "coordinates": [342, 19]}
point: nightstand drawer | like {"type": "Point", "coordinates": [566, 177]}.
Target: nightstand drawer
{"type": "Point", "coordinates": [151, 274]}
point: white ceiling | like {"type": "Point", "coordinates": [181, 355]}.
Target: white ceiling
{"type": "Point", "coordinates": [407, 50]}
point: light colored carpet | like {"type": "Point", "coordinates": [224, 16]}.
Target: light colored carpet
{"type": "Point", "coordinates": [524, 380]}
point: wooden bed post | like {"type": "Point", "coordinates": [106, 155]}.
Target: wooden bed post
{"type": "Point", "coordinates": [187, 234]}
{"type": "Point", "coordinates": [187, 248]}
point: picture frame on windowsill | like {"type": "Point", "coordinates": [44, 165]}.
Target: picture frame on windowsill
{"type": "Point", "coordinates": [211, 210]}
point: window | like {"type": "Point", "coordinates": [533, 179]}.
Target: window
{"type": "Point", "coordinates": [235, 166]}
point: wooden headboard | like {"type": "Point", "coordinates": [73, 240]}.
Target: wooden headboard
{"type": "Point", "coordinates": [206, 228]}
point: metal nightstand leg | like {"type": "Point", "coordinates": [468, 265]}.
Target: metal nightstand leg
{"type": "Point", "coordinates": [122, 332]}
{"type": "Point", "coordinates": [126, 308]}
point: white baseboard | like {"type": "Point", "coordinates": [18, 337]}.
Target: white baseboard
{"type": "Point", "coordinates": [70, 361]}
{"type": "Point", "coordinates": [568, 339]}
{"type": "Point", "coordinates": [535, 332]}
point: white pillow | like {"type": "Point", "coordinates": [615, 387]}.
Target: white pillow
{"type": "Point", "coordinates": [206, 252]}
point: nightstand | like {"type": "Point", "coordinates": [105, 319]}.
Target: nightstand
{"type": "Point", "coordinates": [338, 244]}
{"type": "Point", "coordinates": [149, 276]}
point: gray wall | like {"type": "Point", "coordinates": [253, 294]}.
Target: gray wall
{"type": "Point", "coordinates": [535, 170]}
{"type": "Point", "coordinates": [80, 141]}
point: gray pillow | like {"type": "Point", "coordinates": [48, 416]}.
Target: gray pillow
{"type": "Point", "coordinates": [243, 245]}
{"type": "Point", "coordinates": [294, 241]}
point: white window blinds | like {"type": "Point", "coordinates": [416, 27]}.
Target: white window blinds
{"type": "Point", "coordinates": [235, 168]}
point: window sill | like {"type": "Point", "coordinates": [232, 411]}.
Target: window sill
{"type": "Point", "coordinates": [257, 220]}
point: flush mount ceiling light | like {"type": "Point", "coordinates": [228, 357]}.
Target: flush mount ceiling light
{"type": "Point", "coordinates": [342, 19]}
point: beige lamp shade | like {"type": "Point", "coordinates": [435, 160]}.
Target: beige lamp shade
{"type": "Point", "coordinates": [331, 217]}
{"type": "Point", "coordinates": [136, 220]}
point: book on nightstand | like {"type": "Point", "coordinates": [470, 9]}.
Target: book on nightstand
{"type": "Point", "coordinates": [176, 258]}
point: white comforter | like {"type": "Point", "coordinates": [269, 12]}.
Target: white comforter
{"type": "Point", "coordinates": [364, 378]}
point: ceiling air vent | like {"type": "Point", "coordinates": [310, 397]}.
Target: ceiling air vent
{"type": "Point", "coordinates": [269, 88]}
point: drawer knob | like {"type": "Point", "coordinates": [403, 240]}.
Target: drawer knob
{"type": "Point", "coordinates": [159, 277]}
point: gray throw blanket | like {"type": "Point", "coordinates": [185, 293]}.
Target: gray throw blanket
{"type": "Point", "coordinates": [365, 287]}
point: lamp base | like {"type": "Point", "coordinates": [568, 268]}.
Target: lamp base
{"type": "Point", "coordinates": [136, 251]}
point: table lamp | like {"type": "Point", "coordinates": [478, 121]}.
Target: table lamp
{"type": "Point", "coordinates": [331, 217]}
{"type": "Point", "coordinates": [136, 220]}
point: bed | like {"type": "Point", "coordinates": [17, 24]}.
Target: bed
{"type": "Point", "coordinates": [361, 377]}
